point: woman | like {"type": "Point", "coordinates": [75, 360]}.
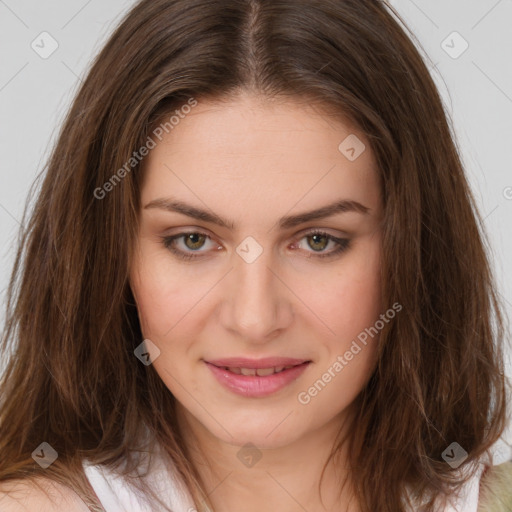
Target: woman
{"type": "Point", "coordinates": [254, 278]}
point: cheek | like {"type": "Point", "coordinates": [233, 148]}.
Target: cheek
{"type": "Point", "coordinates": [348, 299]}
{"type": "Point", "coordinates": [164, 294]}
{"type": "Point", "coordinates": [163, 305]}
{"type": "Point", "coordinates": [349, 355]}
{"type": "Point", "coordinates": [359, 296]}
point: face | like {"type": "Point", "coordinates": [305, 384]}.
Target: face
{"type": "Point", "coordinates": [258, 250]}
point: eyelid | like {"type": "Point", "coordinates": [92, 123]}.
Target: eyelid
{"type": "Point", "coordinates": [328, 231]}
{"type": "Point", "coordinates": [306, 231]}
{"type": "Point", "coordinates": [342, 243]}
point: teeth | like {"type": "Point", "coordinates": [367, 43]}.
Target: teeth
{"type": "Point", "coordinates": [261, 372]}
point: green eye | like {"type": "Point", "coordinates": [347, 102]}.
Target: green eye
{"type": "Point", "coordinates": [193, 241]}
{"type": "Point", "coordinates": [319, 241]}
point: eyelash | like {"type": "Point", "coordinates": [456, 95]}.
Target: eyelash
{"type": "Point", "coordinates": [342, 244]}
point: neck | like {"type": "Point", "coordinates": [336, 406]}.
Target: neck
{"type": "Point", "coordinates": [284, 478]}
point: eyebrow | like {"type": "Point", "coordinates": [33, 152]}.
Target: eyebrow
{"type": "Point", "coordinates": [340, 206]}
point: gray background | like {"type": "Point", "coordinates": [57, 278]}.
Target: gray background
{"type": "Point", "coordinates": [476, 86]}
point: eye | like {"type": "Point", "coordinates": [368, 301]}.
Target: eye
{"type": "Point", "coordinates": [318, 241]}
{"type": "Point", "coordinates": [193, 241]}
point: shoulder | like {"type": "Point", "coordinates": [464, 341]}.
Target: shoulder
{"type": "Point", "coordinates": [496, 489]}
{"type": "Point", "coordinates": [23, 495]}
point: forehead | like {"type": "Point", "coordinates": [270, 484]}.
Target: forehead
{"type": "Point", "coordinates": [251, 152]}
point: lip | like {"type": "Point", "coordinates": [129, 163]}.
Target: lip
{"type": "Point", "coordinates": [254, 386]}
{"type": "Point", "coordinates": [265, 362]}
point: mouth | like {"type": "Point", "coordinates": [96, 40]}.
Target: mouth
{"type": "Point", "coordinates": [262, 367]}
{"type": "Point", "coordinates": [261, 372]}
{"type": "Point", "coordinates": [257, 378]}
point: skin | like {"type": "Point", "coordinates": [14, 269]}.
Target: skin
{"type": "Point", "coordinates": [251, 162]}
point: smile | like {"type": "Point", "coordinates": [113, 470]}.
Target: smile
{"type": "Point", "coordinates": [261, 372]}
{"type": "Point", "coordinates": [260, 382]}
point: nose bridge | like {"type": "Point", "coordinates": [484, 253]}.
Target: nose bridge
{"type": "Point", "coordinates": [257, 305]}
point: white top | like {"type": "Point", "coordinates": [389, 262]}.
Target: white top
{"type": "Point", "coordinates": [116, 496]}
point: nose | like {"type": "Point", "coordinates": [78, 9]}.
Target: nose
{"type": "Point", "coordinates": [257, 304]}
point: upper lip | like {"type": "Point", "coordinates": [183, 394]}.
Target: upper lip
{"type": "Point", "coordinates": [266, 362]}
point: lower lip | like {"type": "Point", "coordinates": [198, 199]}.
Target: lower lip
{"type": "Point", "coordinates": [254, 386]}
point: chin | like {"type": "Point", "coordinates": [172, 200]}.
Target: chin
{"type": "Point", "coordinates": [267, 433]}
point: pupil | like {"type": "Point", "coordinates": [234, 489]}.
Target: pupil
{"type": "Point", "coordinates": [316, 239]}
{"type": "Point", "coordinates": [195, 239]}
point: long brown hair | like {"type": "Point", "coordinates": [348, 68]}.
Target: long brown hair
{"type": "Point", "coordinates": [71, 376]}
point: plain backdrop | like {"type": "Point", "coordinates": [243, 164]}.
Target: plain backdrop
{"type": "Point", "coordinates": [467, 44]}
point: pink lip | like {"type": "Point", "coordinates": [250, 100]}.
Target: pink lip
{"type": "Point", "coordinates": [254, 386]}
{"type": "Point", "coordinates": [266, 362]}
